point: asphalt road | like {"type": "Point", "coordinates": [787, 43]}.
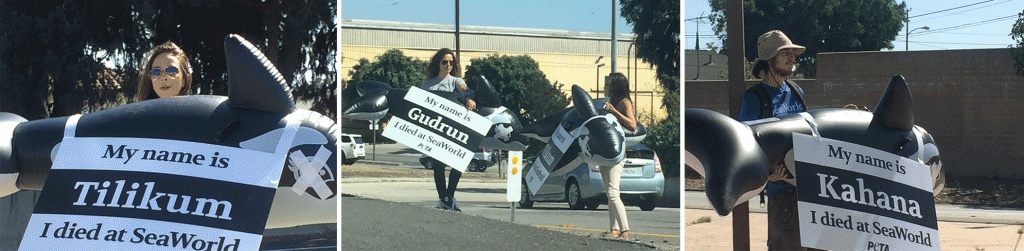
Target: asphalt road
{"type": "Point", "coordinates": [486, 198]}
{"type": "Point", "coordinates": [370, 224]}
{"type": "Point", "coordinates": [401, 156]}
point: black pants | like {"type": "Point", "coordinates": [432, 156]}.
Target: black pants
{"type": "Point", "coordinates": [453, 180]}
{"type": "Point", "coordinates": [783, 222]}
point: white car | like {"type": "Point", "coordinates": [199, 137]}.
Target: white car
{"type": "Point", "coordinates": [642, 183]}
{"type": "Point", "coordinates": [352, 148]}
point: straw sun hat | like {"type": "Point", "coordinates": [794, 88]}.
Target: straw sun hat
{"type": "Point", "coordinates": [774, 41]}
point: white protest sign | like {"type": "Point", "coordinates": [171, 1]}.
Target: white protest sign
{"type": "Point", "coordinates": [153, 194]}
{"type": "Point", "coordinates": [514, 185]}
{"type": "Point", "coordinates": [437, 127]}
{"type": "Point", "coordinates": [853, 197]}
{"type": "Point", "coordinates": [549, 156]}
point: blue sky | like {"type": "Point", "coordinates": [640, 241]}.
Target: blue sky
{"type": "Point", "coordinates": [986, 24]}
{"type": "Point", "coordinates": [573, 15]}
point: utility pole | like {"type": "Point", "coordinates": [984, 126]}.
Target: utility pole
{"type": "Point", "coordinates": [457, 49]}
{"type": "Point", "coordinates": [737, 83]}
{"type": "Point", "coordinates": [615, 40]}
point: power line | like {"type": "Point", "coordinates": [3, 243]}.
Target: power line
{"type": "Point", "coordinates": [966, 25]}
{"type": "Point", "coordinates": [927, 42]}
{"type": "Point", "coordinates": [986, 6]}
{"type": "Point", "coordinates": [929, 45]}
{"type": "Point", "coordinates": [933, 12]}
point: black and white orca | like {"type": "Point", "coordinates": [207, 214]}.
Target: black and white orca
{"type": "Point", "coordinates": [373, 105]}
{"type": "Point", "coordinates": [259, 104]}
{"type": "Point", "coordinates": [736, 158]}
{"type": "Point", "coordinates": [598, 137]}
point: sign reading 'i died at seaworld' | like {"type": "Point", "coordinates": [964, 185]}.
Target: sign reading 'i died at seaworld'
{"type": "Point", "coordinates": [153, 194]}
{"type": "Point", "coordinates": [437, 127]}
{"type": "Point", "coordinates": [853, 197]}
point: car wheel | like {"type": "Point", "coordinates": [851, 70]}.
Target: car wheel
{"type": "Point", "coordinates": [574, 196]}
{"type": "Point", "coordinates": [647, 204]}
{"type": "Point", "coordinates": [524, 201]}
{"type": "Point", "coordinates": [343, 159]}
{"type": "Point", "coordinates": [473, 166]}
{"type": "Point", "coordinates": [427, 164]}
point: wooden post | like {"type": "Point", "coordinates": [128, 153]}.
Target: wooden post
{"type": "Point", "coordinates": [737, 84]}
{"type": "Point", "coordinates": [15, 211]}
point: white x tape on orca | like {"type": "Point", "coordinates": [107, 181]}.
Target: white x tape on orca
{"type": "Point", "coordinates": [307, 172]}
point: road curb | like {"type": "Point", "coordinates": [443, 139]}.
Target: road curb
{"type": "Point", "coordinates": [380, 163]}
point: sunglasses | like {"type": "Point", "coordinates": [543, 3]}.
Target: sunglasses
{"type": "Point", "coordinates": [447, 62]}
{"type": "Point", "coordinates": [171, 71]}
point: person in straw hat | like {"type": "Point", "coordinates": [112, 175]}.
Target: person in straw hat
{"type": "Point", "coordinates": [776, 96]}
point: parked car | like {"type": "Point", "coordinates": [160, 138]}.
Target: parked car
{"type": "Point", "coordinates": [482, 159]}
{"type": "Point", "coordinates": [642, 183]}
{"type": "Point", "coordinates": [352, 148]}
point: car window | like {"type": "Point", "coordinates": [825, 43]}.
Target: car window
{"type": "Point", "coordinates": [640, 154]}
{"type": "Point", "coordinates": [345, 139]}
{"type": "Point", "coordinates": [359, 140]}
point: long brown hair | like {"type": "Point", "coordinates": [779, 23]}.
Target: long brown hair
{"type": "Point", "coordinates": [435, 63]}
{"type": "Point", "coordinates": [618, 88]}
{"type": "Point", "coordinates": [145, 88]}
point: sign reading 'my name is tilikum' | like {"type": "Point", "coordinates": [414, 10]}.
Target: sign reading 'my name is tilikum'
{"type": "Point", "coordinates": [153, 194]}
{"type": "Point", "coordinates": [853, 197]}
{"type": "Point", "coordinates": [437, 127]}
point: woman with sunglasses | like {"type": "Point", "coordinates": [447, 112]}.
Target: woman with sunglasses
{"type": "Point", "coordinates": [446, 75]}
{"type": "Point", "coordinates": [166, 73]}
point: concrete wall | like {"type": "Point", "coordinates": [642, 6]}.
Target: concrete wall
{"type": "Point", "coordinates": [971, 101]}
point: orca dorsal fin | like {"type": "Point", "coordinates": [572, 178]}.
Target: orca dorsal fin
{"type": "Point", "coordinates": [486, 95]}
{"type": "Point", "coordinates": [253, 81]}
{"type": "Point", "coordinates": [372, 88]}
{"type": "Point", "coordinates": [582, 102]}
{"type": "Point", "coordinates": [896, 107]}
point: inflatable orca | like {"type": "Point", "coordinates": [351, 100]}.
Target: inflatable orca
{"type": "Point", "coordinates": [373, 105]}
{"type": "Point", "coordinates": [736, 158]}
{"type": "Point", "coordinates": [598, 137]}
{"type": "Point", "coordinates": [259, 104]}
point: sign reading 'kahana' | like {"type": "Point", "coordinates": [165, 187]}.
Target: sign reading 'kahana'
{"type": "Point", "coordinates": [853, 197]}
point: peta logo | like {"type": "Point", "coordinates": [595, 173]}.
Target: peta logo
{"type": "Point", "coordinates": [312, 172]}
{"type": "Point", "coordinates": [877, 246]}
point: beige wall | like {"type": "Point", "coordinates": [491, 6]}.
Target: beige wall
{"type": "Point", "coordinates": [971, 101]}
{"type": "Point", "coordinates": [565, 57]}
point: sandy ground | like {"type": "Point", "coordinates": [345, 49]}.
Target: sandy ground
{"type": "Point", "coordinates": [717, 234]}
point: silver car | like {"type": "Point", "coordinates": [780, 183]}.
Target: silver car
{"type": "Point", "coordinates": [642, 183]}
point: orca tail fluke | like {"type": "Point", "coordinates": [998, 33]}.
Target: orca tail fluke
{"type": "Point", "coordinates": [726, 153]}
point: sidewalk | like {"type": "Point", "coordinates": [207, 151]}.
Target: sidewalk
{"type": "Point", "coordinates": [960, 228]}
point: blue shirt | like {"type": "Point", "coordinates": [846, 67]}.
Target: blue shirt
{"type": "Point", "coordinates": [784, 102]}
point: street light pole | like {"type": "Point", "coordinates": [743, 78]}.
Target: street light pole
{"type": "Point", "coordinates": [598, 84]}
{"type": "Point", "coordinates": [907, 48]}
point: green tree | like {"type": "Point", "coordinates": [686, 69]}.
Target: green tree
{"type": "Point", "coordinates": [656, 25]}
{"type": "Point", "coordinates": [52, 57]}
{"type": "Point", "coordinates": [392, 67]}
{"type": "Point", "coordinates": [523, 87]}
{"type": "Point", "coordinates": [819, 25]}
{"type": "Point", "coordinates": [1017, 33]}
